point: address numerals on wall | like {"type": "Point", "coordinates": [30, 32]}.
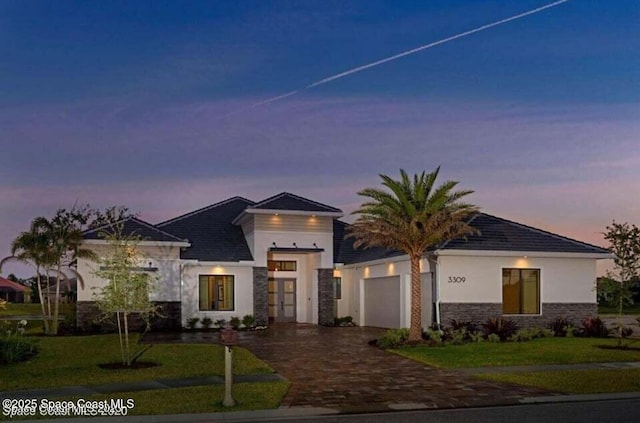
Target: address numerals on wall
{"type": "Point", "coordinates": [457, 279]}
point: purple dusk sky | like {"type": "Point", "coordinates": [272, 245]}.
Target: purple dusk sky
{"type": "Point", "coordinates": [127, 103]}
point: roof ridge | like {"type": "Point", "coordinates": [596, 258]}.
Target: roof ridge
{"type": "Point", "coordinates": [542, 231]}
{"type": "Point", "coordinates": [139, 221]}
{"type": "Point", "coordinates": [203, 209]}
{"type": "Point", "coordinates": [297, 197]}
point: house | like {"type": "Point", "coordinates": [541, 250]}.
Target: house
{"type": "Point", "coordinates": [13, 292]}
{"type": "Point", "coordinates": [286, 259]}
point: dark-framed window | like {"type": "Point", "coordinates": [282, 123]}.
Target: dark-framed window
{"type": "Point", "coordinates": [521, 291]}
{"type": "Point", "coordinates": [282, 265]}
{"type": "Point", "coordinates": [337, 288]}
{"type": "Point", "coordinates": [216, 292]}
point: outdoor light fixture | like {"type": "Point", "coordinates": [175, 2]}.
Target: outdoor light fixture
{"type": "Point", "coordinates": [315, 245]}
{"type": "Point", "coordinates": [294, 245]}
{"type": "Point", "coordinates": [274, 244]}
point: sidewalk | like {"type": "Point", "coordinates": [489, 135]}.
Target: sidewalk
{"type": "Point", "coordinates": [552, 367]}
{"type": "Point", "coordinates": [112, 388]}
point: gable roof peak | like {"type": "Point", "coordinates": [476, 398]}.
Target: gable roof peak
{"type": "Point", "coordinates": [207, 208]}
{"type": "Point", "coordinates": [288, 201]}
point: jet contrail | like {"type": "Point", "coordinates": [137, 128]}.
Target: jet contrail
{"type": "Point", "coordinates": [406, 53]}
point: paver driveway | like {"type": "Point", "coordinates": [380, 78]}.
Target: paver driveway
{"type": "Point", "coordinates": [336, 368]}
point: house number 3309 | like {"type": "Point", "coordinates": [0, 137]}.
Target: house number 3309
{"type": "Point", "coordinates": [457, 279]}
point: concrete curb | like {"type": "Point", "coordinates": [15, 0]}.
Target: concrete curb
{"type": "Point", "coordinates": [580, 398]}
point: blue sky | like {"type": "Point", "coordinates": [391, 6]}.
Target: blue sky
{"type": "Point", "coordinates": [128, 103]}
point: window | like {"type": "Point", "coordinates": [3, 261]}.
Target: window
{"type": "Point", "coordinates": [337, 288]}
{"type": "Point", "coordinates": [521, 291]}
{"type": "Point", "coordinates": [281, 265]}
{"type": "Point", "coordinates": [216, 292]}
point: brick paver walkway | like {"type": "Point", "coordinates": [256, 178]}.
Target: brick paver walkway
{"type": "Point", "coordinates": [336, 368]}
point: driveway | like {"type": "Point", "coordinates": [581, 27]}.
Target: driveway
{"type": "Point", "coordinates": [336, 368]}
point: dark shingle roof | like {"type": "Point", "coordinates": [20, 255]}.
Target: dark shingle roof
{"type": "Point", "coordinates": [135, 226]}
{"type": "Point", "coordinates": [496, 234]}
{"type": "Point", "coordinates": [500, 234]}
{"type": "Point", "coordinates": [287, 201]}
{"type": "Point", "coordinates": [343, 251]}
{"type": "Point", "coordinates": [212, 235]}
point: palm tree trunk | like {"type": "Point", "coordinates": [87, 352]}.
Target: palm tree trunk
{"type": "Point", "coordinates": [44, 313]}
{"type": "Point", "coordinates": [415, 330]}
{"type": "Point", "coordinates": [126, 338]}
{"type": "Point", "coordinates": [124, 361]}
{"type": "Point", "coordinates": [49, 302]}
{"type": "Point", "coordinates": [56, 304]}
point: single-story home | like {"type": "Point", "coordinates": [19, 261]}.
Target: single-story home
{"type": "Point", "coordinates": [13, 292]}
{"type": "Point", "coordinates": [286, 259]}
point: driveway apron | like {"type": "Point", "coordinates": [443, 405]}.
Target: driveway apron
{"type": "Point", "coordinates": [336, 368]}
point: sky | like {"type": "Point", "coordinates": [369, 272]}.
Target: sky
{"type": "Point", "coordinates": [150, 105]}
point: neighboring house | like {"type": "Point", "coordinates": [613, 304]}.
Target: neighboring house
{"type": "Point", "coordinates": [286, 259]}
{"type": "Point", "coordinates": [13, 292]}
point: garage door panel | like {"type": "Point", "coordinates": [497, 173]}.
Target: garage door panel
{"type": "Point", "coordinates": [382, 302]}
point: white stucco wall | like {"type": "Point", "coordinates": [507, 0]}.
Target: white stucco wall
{"type": "Point", "coordinates": [243, 290]}
{"type": "Point", "coordinates": [166, 259]}
{"type": "Point", "coordinates": [562, 280]}
{"type": "Point", "coordinates": [355, 276]}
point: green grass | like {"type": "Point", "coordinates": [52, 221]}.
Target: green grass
{"type": "Point", "coordinates": [574, 381]}
{"type": "Point", "coordinates": [20, 309]}
{"type": "Point", "coordinates": [202, 399]}
{"type": "Point", "coordinates": [73, 360]}
{"type": "Point", "coordinates": [633, 310]}
{"type": "Point", "coordinates": [538, 351]}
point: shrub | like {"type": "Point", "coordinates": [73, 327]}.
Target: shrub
{"type": "Point", "coordinates": [248, 321]}
{"type": "Point", "coordinates": [493, 337]}
{"type": "Point", "coordinates": [206, 322]}
{"type": "Point", "coordinates": [594, 327]}
{"type": "Point", "coordinates": [235, 322]}
{"type": "Point", "coordinates": [501, 327]}
{"type": "Point", "coordinates": [560, 326]}
{"type": "Point", "coordinates": [220, 323]}
{"type": "Point", "coordinates": [192, 322]}
{"type": "Point", "coordinates": [476, 337]}
{"type": "Point", "coordinates": [343, 321]}
{"type": "Point", "coordinates": [13, 347]}
{"type": "Point", "coordinates": [394, 338]}
{"type": "Point", "coordinates": [459, 336]}
{"type": "Point", "coordinates": [433, 335]}
{"type": "Point", "coordinates": [468, 325]}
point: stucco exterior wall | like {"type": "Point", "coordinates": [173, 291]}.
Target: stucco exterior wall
{"type": "Point", "coordinates": [166, 259]}
{"type": "Point", "coordinates": [243, 290]}
{"type": "Point", "coordinates": [562, 280]}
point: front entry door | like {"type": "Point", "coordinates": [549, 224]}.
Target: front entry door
{"type": "Point", "coordinates": [282, 300]}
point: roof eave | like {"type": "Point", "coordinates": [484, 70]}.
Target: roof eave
{"type": "Point", "coordinates": [513, 253]}
{"type": "Point", "coordinates": [142, 243]}
{"type": "Point", "coordinates": [292, 212]}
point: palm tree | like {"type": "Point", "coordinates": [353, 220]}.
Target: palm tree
{"type": "Point", "coordinates": [32, 247]}
{"type": "Point", "coordinates": [65, 236]}
{"type": "Point", "coordinates": [413, 217]}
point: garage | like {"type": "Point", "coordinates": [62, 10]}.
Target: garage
{"type": "Point", "coordinates": [382, 302]}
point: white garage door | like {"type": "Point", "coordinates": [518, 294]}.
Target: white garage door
{"type": "Point", "coordinates": [382, 302]}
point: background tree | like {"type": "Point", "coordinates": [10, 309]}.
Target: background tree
{"type": "Point", "coordinates": [53, 246]}
{"type": "Point", "coordinates": [127, 289]}
{"type": "Point", "coordinates": [412, 216]}
{"type": "Point", "coordinates": [624, 243]}
{"type": "Point", "coordinates": [32, 247]}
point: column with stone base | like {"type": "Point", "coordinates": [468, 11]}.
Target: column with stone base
{"type": "Point", "coordinates": [261, 296]}
{"type": "Point", "coordinates": [326, 312]}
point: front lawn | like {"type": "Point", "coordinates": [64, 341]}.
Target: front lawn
{"type": "Point", "coordinates": [21, 309]}
{"type": "Point", "coordinates": [574, 381]}
{"type": "Point", "coordinates": [73, 360]}
{"type": "Point", "coordinates": [605, 309]}
{"type": "Point", "coordinates": [537, 351]}
{"type": "Point", "coordinates": [200, 399]}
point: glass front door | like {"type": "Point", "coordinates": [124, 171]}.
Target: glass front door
{"type": "Point", "coordinates": [282, 300]}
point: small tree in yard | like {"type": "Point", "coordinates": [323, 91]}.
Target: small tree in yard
{"type": "Point", "coordinates": [624, 243]}
{"type": "Point", "coordinates": [127, 289]}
